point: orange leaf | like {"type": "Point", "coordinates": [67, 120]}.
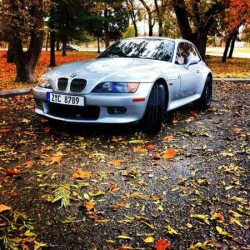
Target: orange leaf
{"type": "Point", "coordinates": [116, 162]}
{"type": "Point", "coordinates": [217, 216]}
{"type": "Point", "coordinates": [113, 187]}
{"type": "Point", "coordinates": [151, 147]}
{"type": "Point", "coordinates": [169, 154]}
{"type": "Point", "coordinates": [44, 148]}
{"type": "Point", "coordinates": [4, 207]}
{"type": "Point", "coordinates": [162, 245]}
{"type": "Point", "coordinates": [174, 121]}
{"type": "Point", "coordinates": [89, 206]}
{"type": "Point", "coordinates": [156, 156]}
{"type": "Point", "coordinates": [120, 204]}
{"type": "Point", "coordinates": [141, 150]}
{"type": "Point", "coordinates": [29, 133]}
{"type": "Point", "coordinates": [168, 138]}
{"type": "Point", "coordinates": [47, 129]}
{"type": "Point", "coordinates": [4, 130]}
{"type": "Point", "coordinates": [81, 174]}
{"type": "Point", "coordinates": [11, 172]}
{"type": "Point", "coordinates": [54, 159]}
{"type": "Point", "coordinates": [28, 163]}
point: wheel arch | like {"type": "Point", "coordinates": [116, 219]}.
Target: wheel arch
{"type": "Point", "coordinates": [165, 85]}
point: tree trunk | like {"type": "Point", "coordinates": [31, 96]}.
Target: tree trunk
{"type": "Point", "coordinates": [136, 29]}
{"type": "Point", "coordinates": [47, 42]}
{"type": "Point", "coordinates": [52, 49]}
{"type": "Point", "coordinates": [224, 58]}
{"type": "Point", "coordinates": [159, 17]}
{"type": "Point", "coordinates": [203, 24]}
{"type": "Point", "coordinates": [64, 48]}
{"type": "Point", "coordinates": [232, 46]}
{"type": "Point", "coordinates": [57, 45]}
{"type": "Point", "coordinates": [98, 44]}
{"type": "Point", "coordinates": [106, 30]}
{"type": "Point", "coordinates": [150, 18]}
{"type": "Point", "coordinates": [10, 53]}
{"type": "Point", "coordinates": [26, 61]}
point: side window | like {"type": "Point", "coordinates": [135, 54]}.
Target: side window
{"type": "Point", "coordinates": [182, 53]}
{"type": "Point", "coordinates": [193, 52]}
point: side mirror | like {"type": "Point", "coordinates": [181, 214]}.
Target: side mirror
{"type": "Point", "coordinates": [191, 61]}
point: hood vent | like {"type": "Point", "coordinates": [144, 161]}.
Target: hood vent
{"type": "Point", "coordinates": [78, 85]}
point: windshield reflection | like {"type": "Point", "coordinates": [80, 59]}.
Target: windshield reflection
{"type": "Point", "coordinates": [142, 48]}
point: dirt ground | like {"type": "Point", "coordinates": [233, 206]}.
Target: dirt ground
{"type": "Point", "coordinates": [117, 188]}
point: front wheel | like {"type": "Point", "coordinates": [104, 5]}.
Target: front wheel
{"type": "Point", "coordinates": [152, 119]}
{"type": "Point", "coordinates": [206, 98]}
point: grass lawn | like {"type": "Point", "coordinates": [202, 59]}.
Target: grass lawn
{"type": "Point", "coordinates": [232, 68]}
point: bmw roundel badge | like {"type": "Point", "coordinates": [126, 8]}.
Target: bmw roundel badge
{"type": "Point", "coordinates": [73, 75]}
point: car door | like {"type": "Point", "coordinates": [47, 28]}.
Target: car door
{"type": "Point", "coordinates": [190, 75]}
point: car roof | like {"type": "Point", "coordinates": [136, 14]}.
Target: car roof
{"type": "Point", "coordinates": [177, 40]}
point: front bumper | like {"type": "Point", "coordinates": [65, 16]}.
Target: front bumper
{"type": "Point", "coordinates": [97, 106]}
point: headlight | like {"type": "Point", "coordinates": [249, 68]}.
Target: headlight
{"type": "Point", "coordinates": [116, 87]}
{"type": "Point", "coordinates": [45, 82]}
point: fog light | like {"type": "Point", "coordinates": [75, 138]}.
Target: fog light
{"type": "Point", "coordinates": [116, 110]}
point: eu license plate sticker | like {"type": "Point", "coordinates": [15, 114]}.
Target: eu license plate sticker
{"type": "Point", "coordinates": [65, 99]}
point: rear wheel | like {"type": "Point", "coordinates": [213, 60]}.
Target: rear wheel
{"type": "Point", "coordinates": [206, 98]}
{"type": "Point", "coordinates": [152, 119]}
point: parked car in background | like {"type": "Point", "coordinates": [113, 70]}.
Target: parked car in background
{"type": "Point", "coordinates": [69, 47]}
{"type": "Point", "coordinates": [135, 80]}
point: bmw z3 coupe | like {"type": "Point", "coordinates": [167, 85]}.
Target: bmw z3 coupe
{"type": "Point", "coordinates": [135, 80]}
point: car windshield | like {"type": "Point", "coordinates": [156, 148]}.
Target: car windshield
{"type": "Point", "coordinates": [156, 49]}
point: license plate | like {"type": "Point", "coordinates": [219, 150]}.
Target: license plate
{"type": "Point", "coordinates": [65, 99]}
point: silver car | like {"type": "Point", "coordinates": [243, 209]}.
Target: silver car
{"type": "Point", "coordinates": [135, 80]}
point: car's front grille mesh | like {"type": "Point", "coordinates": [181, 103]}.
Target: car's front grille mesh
{"type": "Point", "coordinates": [62, 84]}
{"type": "Point", "coordinates": [78, 85]}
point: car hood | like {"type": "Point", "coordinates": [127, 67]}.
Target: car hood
{"type": "Point", "coordinates": [111, 69]}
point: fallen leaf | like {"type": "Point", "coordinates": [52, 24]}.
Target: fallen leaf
{"type": "Point", "coordinates": [162, 245]}
{"type": "Point", "coordinates": [116, 162]}
{"type": "Point", "coordinates": [113, 187]}
{"type": "Point", "coordinates": [46, 148]}
{"type": "Point", "coordinates": [141, 150]}
{"type": "Point", "coordinates": [54, 159]}
{"type": "Point", "coordinates": [217, 216]}
{"type": "Point", "coordinates": [89, 206]}
{"type": "Point", "coordinates": [169, 154]}
{"type": "Point", "coordinates": [81, 174]}
{"type": "Point", "coordinates": [201, 217]}
{"type": "Point", "coordinates": [4, 130]}
{"type": "Point", "coordinates": [174, 121]}
{"type": "Point", "coordinates": [156, 156]}
{"type": "Point", "coordinates": [149, 240]}
{"type": "Point", "coordinates": [11, 172]}
{"type": "Point", "coordinates": [150, 147]}
{"type": "Point", "coordinates": [47, 129]}
{"type": "Point", "coordinates": [192, 113]}
{"type": "Point", "coordinates": [4, 208]}
{"type": "Point", "coordinates": [224, 233]}
{"type": "Point", "coordinates": [29, 133]}
{"type": "Point", "coordinates": [171, 231]}
{"type": "Point", "coordinates": [168, 138]}
{"type": "Point", "coordinates": [28, 163]}
{"type": "Point", "coordinates": [124, 237]}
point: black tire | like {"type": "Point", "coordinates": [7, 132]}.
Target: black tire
{"type": "Point", "coordinates": [153, 116]}
{"type": "Point", "coordinates": [206, 98]}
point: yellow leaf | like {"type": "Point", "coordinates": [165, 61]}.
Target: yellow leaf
{"type": "Point", "coordinates": [224, 233]}
{"type": "Point", "coordinates": [171, 231]}
{"type": "Point", "coordinates": [124, 237]}
{"type": "Point", "coordinates": [201, 217]}
{"type": "Point", "coordinates": [86, 196]}
{"type": "Point", "coordinates": [149, 240]}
